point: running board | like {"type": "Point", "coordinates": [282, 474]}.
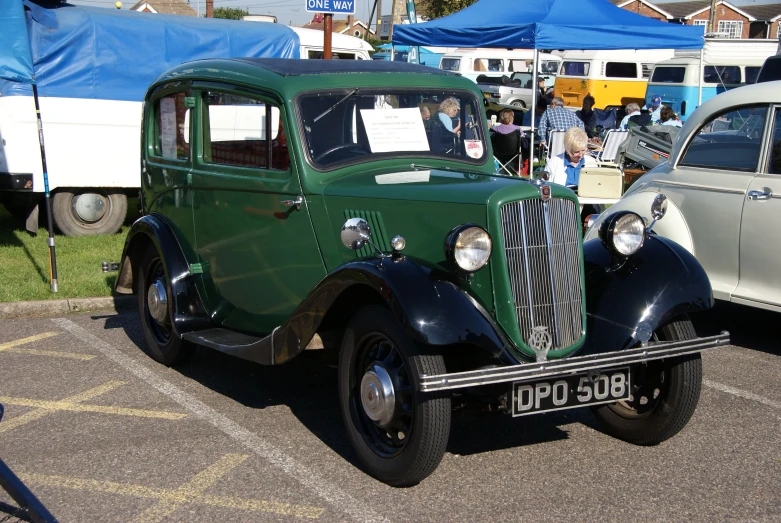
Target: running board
{"type": "Point", "coordinates": [564, 367]}
{"type": "Point", "coordinates": [252, 348]}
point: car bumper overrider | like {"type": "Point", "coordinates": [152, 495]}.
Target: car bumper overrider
{"type": "Point", "coordinates": [578, 364]}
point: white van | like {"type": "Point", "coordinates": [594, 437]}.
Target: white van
{"type": "Point", "coordinates": [342, 46]}
{"type": "Point", "coordinates": [726, 64]}
{"type": "Point", "coordinates": [613, 78]}
{"type": "Point", "coordinates": [472, 63]}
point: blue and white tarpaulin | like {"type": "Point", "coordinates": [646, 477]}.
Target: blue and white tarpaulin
{"type": "Point", "coordinates": [16, 61]}
{"type": "Point", "coordinates": [98, 53]}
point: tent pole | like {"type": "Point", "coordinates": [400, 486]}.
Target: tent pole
{"type": "Point", "coordinates": [52, 254]}
{"type": "Point", "coordinates": [535, 89]}
{"type": "Point", "coordinates": [699, 82]}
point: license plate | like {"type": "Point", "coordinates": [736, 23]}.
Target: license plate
{"type": "Point", "coordinates": [573, 391]}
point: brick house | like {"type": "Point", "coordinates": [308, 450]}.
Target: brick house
{"type": "Point", "coordinates": [755, 21]}
{"type": "Point", "coordinates": [165, 7]}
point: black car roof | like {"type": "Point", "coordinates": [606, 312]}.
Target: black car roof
{"type": "Point", "coordinates": [298, 67]}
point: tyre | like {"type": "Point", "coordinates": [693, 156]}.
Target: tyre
{"type": "Point", "coordinates": [518, 103]}
{"type": "Point", "coordinates": [155, 311]}
{"type": "Point", "coordinates": [89, 212]}
{"type": "Point", "coordinates": [664, 394]}
{"type": "Point", "coordinates": [398, 432]}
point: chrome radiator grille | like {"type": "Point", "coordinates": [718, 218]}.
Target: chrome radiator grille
{"type": "Point", "coordinates": [541, 247]}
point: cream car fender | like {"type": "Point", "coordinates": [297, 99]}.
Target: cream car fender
{"type": "Point", "coordinates": [673, 226]}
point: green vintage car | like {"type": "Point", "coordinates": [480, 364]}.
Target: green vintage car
{"type": "Point", "coordinates": [288, 198]}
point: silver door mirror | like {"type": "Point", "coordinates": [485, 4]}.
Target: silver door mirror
{"type": "Point", "coordinates": [659, 207]}
{"type": "Point", "coordinates": [355, 233]}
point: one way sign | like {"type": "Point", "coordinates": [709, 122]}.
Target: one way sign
{"type": "Point", "coordinates": [331, 6]}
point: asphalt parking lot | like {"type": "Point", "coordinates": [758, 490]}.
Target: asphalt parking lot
{"type": "Point", "coordinates": [100, 432]}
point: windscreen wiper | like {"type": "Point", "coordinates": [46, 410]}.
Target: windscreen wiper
{"type": "Point", "coordinates": [334, 105]}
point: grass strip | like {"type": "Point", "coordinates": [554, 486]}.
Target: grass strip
{"type": "Point", "coordinates": [24, 262]}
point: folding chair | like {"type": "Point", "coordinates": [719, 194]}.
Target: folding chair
{"type": "Point", "coordinates": [610, 146]}
{"type": "Point", "coordinates": [507, 149]}
{"type": "Point", "coordinates": [555, 143]}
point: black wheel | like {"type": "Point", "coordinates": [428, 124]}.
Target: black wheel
{"type": "Point", "coordinates": [155, 311]}
{"type": "Point", "coordinates": [398, 432]}
{"type": "Point", "coordinates": [664, 394]}
{"type": "Point", "coordinates": [89, 212]}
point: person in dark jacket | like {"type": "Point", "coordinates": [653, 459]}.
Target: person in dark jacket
{"type": "Point", "coordinates": [588, 116]}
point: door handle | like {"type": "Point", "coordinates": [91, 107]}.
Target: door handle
{"type": "Point", "coordinates": [760, 195]}
{"type": "Point", "coordinates": [293, 203]}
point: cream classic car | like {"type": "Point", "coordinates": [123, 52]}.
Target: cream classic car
{"type": "Point", "coordinates": [723, 183]}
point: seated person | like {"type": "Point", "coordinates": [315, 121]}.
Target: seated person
{"type": "Point", "coordinates": [588, 116]}
{"type": "Point", "coordinates": [539, 110]}
{"type": "Point", "coordinates": [506, 125]}
{"type": "Point", "coordinates": [448, 110]}
{"type": "Point", "coordinates": [632, 109]}
{"type": "Point", "coordinates": [668, 117]}
{"type": "Point", "coordinates": [425, 115]}
{"type": "Point", "coordinates": [564, 168]}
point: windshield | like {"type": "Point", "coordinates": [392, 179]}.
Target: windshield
{"type": "Point", "coordinates": [354, 126]}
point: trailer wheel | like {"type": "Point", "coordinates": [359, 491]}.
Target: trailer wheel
{"type": "Point", "coordinates": [89, 212]}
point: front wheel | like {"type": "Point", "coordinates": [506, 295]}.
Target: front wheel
{"type": "Point", "coordinates": [664, 395]}
{"type": "Point", "coordinates": [155, 311]}
{"type": "Point", "coordinates": [398, 432]}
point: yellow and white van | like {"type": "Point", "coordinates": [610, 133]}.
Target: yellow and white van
{"type": "Point", "coordinates": [613, 78]}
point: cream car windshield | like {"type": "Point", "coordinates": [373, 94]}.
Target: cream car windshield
{"type": "Point", "coordinates": [354, 126]}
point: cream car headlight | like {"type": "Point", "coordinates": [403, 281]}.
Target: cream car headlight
{"type": "Point", "coordinates": [469, 247]}
{"type": "Point", "coordinates": [623, 233]}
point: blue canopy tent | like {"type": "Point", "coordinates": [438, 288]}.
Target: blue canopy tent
{"type": "Point", "coordinates": [549, 24]}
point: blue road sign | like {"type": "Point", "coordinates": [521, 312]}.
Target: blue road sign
{"type": "Point", "coordinates": [331, 6]}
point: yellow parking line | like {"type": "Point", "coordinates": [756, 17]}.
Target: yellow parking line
{"type": "Point", "coordinates": [74, 404]}
{"type": "Point", "coordinates": [30, 339]}
{"type": "Point", "coordinates": [193, 489]}
{"type": "Point", "coordinates": [101, 409]}
{"type": "Point", "coordinates": [11, 346]}
{"type": "Point", "coordinates": [191, 493]}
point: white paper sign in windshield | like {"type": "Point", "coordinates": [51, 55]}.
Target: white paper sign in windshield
{"type": "Point", "coordinates": [395, 130]}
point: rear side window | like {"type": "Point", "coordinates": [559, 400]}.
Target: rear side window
{"type": "Point", "coordinates": [172, 127]}
{"type": "Point", "coordinates": [494, 65]}
{"type": "Point", "coordinates": [751, 74]}
{"type": "Point", "coordinates": [668, 75]}
{"type": "Point", "coordinates": [243, 132]}
{"type": "Point", "coordinates": [450, 64]}
{"type": "Point", "coordinates": [621, 70]}
{"type": "Point", "coordinates": [721, 74]}
{"type": "Point", "coordinates": [575, 68]}
{"type": "Point", "coordinates": [730, 141]}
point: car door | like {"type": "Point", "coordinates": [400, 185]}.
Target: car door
{"type": "Point", "coordinates": [709, 185]}
{"type": "Point", "coordinates": [760, 234]}
{"type": "Point", "coordinates": [255, 239]}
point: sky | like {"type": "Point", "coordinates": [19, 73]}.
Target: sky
{"type": "Point", "coordinates": [288, 12]}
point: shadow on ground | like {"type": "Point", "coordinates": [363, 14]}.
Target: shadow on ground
{"type": "Point", "coordinates": [749, 327]}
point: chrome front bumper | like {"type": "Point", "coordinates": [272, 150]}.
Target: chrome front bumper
{"type": "Point", "coordinates": [564, 367]}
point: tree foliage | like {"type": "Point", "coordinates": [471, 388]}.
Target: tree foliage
{"type": "Point", "coordinates": [439, 8]}
{"type": "Point", "coordinates": [230, 13]}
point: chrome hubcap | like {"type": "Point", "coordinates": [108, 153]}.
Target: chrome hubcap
{"type": "Point", "coordinates": [89, 207]}
{"type": "Point", "coordinates": [157, 301]}
{"type": "Point", "coordinates": [377, 395]}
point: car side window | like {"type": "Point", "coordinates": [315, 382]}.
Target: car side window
{"type": "Point", "coordinates": [774, 166]}
{"type": "Point", "coordinates": [243, 132]}
{"type": "Point", "coordinates": [172, 127]}
{"type": "Point", "coordinates": [730, 141]}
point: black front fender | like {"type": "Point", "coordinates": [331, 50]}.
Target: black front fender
{"type": "Point", "coordinates": [628, 299]}
{"type": "Point", "coordinates": [431, 309]}
{"type": "Point", "coordinates": [153, 231]}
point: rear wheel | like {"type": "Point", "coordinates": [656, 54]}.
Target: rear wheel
{"type": "Point", "coordinates": [518, 103]}
{"type": "Point", "coordinates": [664, 394]}
{"type": "Point", "coordinates": [155, 311]}
{"type": "Point", "coordinates": [398, 432]}
{"type": "Point", "coordinates": [89, 212]}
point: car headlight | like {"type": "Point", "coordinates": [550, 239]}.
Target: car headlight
{"type": "Point", "coordinates": [469, 247]}
{"type": "Point", "coordinates": [623, 232]}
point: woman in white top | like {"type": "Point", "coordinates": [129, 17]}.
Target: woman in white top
{"type": "Point", "coordinates": [564, 168]}
{"type": "Point", "coordinates": [448, 110]}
